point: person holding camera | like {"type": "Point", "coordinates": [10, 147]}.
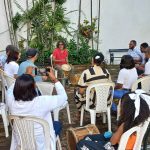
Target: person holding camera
{"type": "Point", "coordinates": [32, 55]}
{"type": "Point", "coordinates": [23, 99]}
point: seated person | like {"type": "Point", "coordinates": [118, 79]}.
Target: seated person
{"type": "Point", "coordinates": [32, 55]}
{"type": "Point", "coordinates": [147, 65]}
{"type": "Point", "coordinates": [126, 77]}
{"type": "Point", "coordinates": [11, 67]}
{"type": "Point", "coordinates": [95, 74]}
{"type": "Point", "coordinates": [60, 56]}
{"type": "Point", "coordinates": [134, 112]}
{"type": "Point", "coordinates": [140, 68]}
{"type": "Point", "coordinates": [22, 99]}
{"type": "Point", "coordinates": [134, 52]}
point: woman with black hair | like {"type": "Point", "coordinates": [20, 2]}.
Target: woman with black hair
{"type": "Point", "coordinates": [95, 74]}
{"type": "Point", "coordinates": [126, 77]}
{"type": "Point", "coordinates": [134, 111]}
{"type": "Point", "coordinates": [22, 99]}
{"type": "Point", "coordinates": [11, 67]}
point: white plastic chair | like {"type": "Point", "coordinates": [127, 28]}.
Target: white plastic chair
{"type": "Point", "coordinates": [2, 84]}
{"type": "Point", "coordinates": [102, 93]}
{"type": "Point", "coordinates": [56, 112]}
{"type": "Point", "coordinates": [140, 131]}
{"type": "Point", "coordinates": [3, 113]}
{"type": "Point", "coordinates": [46, 88]}
{"type": "Point", "coordinates": [24, 127]}
{"type": "Point", "coordinates": [145, 84]}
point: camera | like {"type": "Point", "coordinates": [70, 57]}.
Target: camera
{"type": "Point", "coordinates": [42, 71]}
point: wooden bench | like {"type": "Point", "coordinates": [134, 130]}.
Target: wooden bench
{"type": "Point", "coordinates": [112, 56]}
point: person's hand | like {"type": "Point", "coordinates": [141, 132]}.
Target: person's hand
{"type": "Point", "coordinates": [52, 76]}
{"type": "Point", "coordinates": [44, 78]}
{"type": "Point", "coordinates": [29, 70]}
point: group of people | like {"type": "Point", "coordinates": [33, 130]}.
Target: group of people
{"type": "Point", "coordinates": [24, 99]}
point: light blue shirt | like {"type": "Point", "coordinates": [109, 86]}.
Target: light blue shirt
{"type": "Point", "coordinates": [135, 53]}
{"type": "Point", "coordinates": [24, 65]}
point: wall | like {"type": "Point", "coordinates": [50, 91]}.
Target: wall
{"type": "Point", "coordinates": [4, 32]}
{"type": "Point", "coordinates": [121, 21]}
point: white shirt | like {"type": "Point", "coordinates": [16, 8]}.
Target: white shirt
{"type": "Point", "coordinates": [40, 106]}
{"type": "Point", "coordinates": [127, 77]}
{"type": "Point", "coordinates": [135, 53]}
{"type": "Point", "coordinates": [11, 68]}
{"type": "Point", "coordinates": [147, 68]}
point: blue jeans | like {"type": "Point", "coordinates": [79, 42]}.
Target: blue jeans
{"type": "Point", "coordinates": [118, 93]}
{"type": "Point", "coordinates": [57, 127]}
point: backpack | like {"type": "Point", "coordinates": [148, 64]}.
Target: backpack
{"type": "Point", "coordinates": [89, 144]}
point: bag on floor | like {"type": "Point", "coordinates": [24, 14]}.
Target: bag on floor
{"type": "Point", "coordinates": [89, 143]}
{"type": "Point", "coordinates": [74, 135]}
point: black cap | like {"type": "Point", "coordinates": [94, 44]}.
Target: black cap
{"type": "Point", "coordinates": [31, 52]}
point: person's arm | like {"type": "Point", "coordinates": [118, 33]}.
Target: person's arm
{"type": "Point", "coordinates": [15, 68]}
{"type": "Point", "coordinates": [117, 135]}
{"type": "Point", "coordinates": [54, 101]}
{"type": "Point", "coordinates": [120, 80]}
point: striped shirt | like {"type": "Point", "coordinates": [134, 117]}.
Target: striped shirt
{"type": "Point", "coordinates": [93, 75]}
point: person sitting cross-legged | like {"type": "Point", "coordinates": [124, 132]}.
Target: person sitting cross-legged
{"type": "Point", "coordinates": [22, 99]}
{"type": "Point", "coordinates": [134, 111]}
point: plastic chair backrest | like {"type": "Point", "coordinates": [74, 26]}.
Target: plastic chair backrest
{"type": "Point", "coordinates": [103, 90]}
{"type": "Point", "coordinates": [9, 80]}
{"type": "Point", "coordinates": [145, 84]}
{"type": "Point", "coordinates": [24, 126]}
{"type": "Point", "coordinates": [140, 131]}
{"type": "Point", "coordinates": [45, 88]}
{"type": "Point", "coordinates": [4, 85]}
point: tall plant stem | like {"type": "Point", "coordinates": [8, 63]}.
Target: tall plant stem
{"type": "Point", "coordinates": [28, 25]}
{"type": "Point", "coordinates": [91, 20]}
{"type": "Point", "coordinates": [79, 19]}
{"type": "Point", "coordinates": [98, 24]}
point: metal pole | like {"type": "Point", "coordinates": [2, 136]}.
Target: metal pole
{"type": "Point", "coordinates": [7, 18]}
{"type": "Point", "coordinates": [79, 19]}
{"type": "Point", "coordinates": [91, 20]}
{"type": "Point", "coordinates": [28, 25]}
{"type": "Point", "coordinates": [98, 24]}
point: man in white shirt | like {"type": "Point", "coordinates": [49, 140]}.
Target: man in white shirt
{"type": "Point", "coordinates": [4, 57]}
{"type": "Point", "coordinates": [134, 52]}
{"type": "Point", "coordinates": [147, 65]}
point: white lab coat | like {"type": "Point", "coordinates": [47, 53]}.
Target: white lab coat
{"type": "Point", "coordinates": [40, 106]}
